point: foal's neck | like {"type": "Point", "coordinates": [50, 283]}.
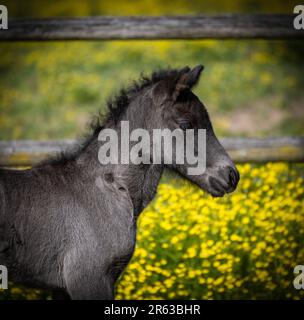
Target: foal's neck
{"type": "Point", "coordinates": [140, 180]}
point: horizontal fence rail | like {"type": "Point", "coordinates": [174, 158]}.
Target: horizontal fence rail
{"type": "Point", "coordinates": [27, 153]}
{"type": "Point", "coordinates": [226, 26]}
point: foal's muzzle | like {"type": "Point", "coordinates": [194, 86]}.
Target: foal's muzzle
{"type": "Point", "coordinates": [223, 180]}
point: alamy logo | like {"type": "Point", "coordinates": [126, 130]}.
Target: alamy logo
{"type": "Point", "coordinates": [298, 282]}
{"type": "Point", "coordinates": [162, 146]}
{"type": "Point", "coordinates": [3, 17]}
{"type": "Point", "coordinates": [298, 22]}
{"type": "Point", "coordinates": [3, 277]}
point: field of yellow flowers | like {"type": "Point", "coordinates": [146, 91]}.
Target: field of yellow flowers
{"type": "Point", "coordinates": [193, 246]}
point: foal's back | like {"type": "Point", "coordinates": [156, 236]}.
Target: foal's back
{"type": "Point", "coordinates": [31, 223]}
{"type": "Point", "coordinates": [54, 219]}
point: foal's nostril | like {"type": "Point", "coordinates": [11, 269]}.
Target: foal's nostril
{"type": "Point", "coordinates": [233, 176]}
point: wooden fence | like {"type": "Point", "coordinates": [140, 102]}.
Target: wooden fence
{"type": "Point", "coordinates": [27, 153]}
{"type": "Point", "coordinates": [227, 26]}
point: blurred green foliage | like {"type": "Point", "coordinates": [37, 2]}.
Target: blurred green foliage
{"type": "Point", "coordinates": [59, 8]}
{"type": "Point", "coordinates": [50, 90]}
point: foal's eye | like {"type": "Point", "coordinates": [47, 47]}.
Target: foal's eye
{"type": "Point", "coordinates": [185, 125]}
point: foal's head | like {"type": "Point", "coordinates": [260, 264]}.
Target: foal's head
{"type": "Point", "coordinates": [176, 106]}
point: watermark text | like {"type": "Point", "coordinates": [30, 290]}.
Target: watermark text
{"type": "Point", "coordinates": [298, 21]}
{"type": "Point", "coordinates": [3, 17]}
{"type": "Point", "coordinates": [3, 277]}
{"type": "Point", "coordinates": [162, 146]}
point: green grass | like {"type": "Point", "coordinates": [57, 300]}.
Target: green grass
{"type": "Point", "coordinates": [50, 90]}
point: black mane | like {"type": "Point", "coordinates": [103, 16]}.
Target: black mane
{"type": "Point", "coordinates": [116, 108]}
{"type": "Point", "coordinates": [119, 103]}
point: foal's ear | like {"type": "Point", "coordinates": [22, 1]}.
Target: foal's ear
{"type": "Point", "coordinates": [172, 89]}
{"type": "Point", "coordinates": [187, 81]}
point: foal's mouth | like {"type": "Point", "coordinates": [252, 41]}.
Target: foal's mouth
{"type": "Point", "coordinates": [216, 181]}
{"type": "Point", "coordinates": [223, 183]}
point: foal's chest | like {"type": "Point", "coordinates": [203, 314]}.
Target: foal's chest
{"type": "Point", "coordinates": [117, 227]}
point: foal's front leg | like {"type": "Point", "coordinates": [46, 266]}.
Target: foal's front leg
{"type": "Point", "coordinates": [87, 279]}
{"type": "Point", "coordinates": [90, 287]}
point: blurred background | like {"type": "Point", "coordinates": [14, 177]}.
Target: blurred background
{"type": "Point", "coordinates": [190, 246]}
